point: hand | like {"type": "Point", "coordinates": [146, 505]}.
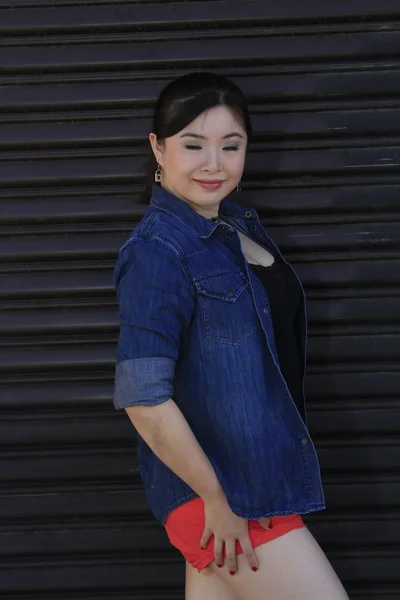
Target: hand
{"type": "Point", "coordinates": [265, 522]}
{"type": "Point", "coordinates": [227, 528]}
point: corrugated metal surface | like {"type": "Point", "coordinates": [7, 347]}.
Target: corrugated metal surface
{"type": "Point", "coordinates": [78, 84]}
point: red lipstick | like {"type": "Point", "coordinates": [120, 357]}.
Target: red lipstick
{"type": "Point", "coordinates": [209, 184]}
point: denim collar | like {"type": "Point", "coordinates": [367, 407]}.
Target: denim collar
{"type": "Point", "coordinates": [202, 226]}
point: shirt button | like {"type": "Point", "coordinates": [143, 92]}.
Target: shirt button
{"type": "Point", "coordinates": [254, 228]}
{"type": "Point", "coordinates": [266, 311]}
{"type": "Point", "coordinates": [248, 213]}
{"type": "Point", "coordinates": [228, 237]}
{"type": "Point", "coordinates": [304, 441]}
{"type": "Point", "coordinates": [230, 293]}
{"type": "Point", "coordinates": [223, 227]}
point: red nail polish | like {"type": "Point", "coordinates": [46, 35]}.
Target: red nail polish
{"type": "Point", "coordinates": [254, 568]}
{"type": "Point", "coordinates": [219, 566]}
{"type": "Point", "coordinates": [232, 572]}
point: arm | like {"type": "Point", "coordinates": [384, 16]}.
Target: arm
{"type": "Point", "coordinates": [156, 304]}
{"type": "Point", "coordinates": [166, 431]}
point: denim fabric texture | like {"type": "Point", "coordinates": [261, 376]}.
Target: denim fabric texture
{"type": "Point", "coordinates": [196, 326]}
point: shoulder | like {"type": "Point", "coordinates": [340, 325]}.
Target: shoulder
{"type": "Point", "coordinates": [166, 231]}
{"type": "Point", "coordinates": [151, 257]}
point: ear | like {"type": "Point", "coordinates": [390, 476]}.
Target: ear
{"type": "Point", "coordinates": [158, 148]}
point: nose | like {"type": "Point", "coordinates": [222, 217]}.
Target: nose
{"type": "Point", "coordinates": [212, 163]}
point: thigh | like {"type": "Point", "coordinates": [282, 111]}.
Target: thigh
{"type": "Point", "coordinates": [292, 567]}
{"type": "Point", "coordinates": [206, 585]}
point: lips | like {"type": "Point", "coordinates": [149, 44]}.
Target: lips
{"type": "Point", "coordinates": [209, 184]}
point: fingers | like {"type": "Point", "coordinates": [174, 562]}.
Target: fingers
{"type": "Point", "coordinates": [249, 553]}
{"type": "Point", "coordinates": [266, 523]}
{"type": "Point", "coordinates": [205, 538]}
{"type": "Point", "coordinates": [231, 560]}
{"type": "Point", "coordinates": [219, 551]}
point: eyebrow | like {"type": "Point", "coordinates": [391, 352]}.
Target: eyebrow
{"type": "Point", "coordinates": [203, 137]}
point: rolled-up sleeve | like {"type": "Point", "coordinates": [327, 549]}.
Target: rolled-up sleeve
{"type": "Point", "coordinates": [156, 304]}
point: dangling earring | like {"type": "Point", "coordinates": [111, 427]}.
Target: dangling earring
{"type": "Point", "coordinates": [238, 188]}
{"type": "Point", "coordinates": [157, 176]}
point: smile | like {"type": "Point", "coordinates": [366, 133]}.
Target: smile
{"type": "Point", "coordinates": [209, 185]}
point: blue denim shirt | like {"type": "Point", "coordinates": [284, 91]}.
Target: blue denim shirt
{"type": "Point", "coordinates": [195, 326]}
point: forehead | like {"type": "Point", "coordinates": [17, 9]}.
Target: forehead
{"type": "Point", "coordinates": [218, 120]}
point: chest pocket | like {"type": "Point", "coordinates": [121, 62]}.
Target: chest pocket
{"type": "Point", "coordinates": [227, 309]}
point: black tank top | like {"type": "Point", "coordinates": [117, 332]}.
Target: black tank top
{"type": "Point", "coordinates": [284, 295]}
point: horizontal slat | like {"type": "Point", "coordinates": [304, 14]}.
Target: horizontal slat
{"type": "Point", "coordinates": [351, 391]}
{"type": "Point", "coordinates": [49, 432]}
{"type": "Point", "coordinates": [82, 57]}
{"type": "Point", "coordinates": [77, 17]}
{"type": "Point", "coordinates": [54, 395]}
{"type": "Point", "coordinates": [77, 353]}
{"type": "Point", "coordinates": [81, 509]}
{"type": "Point", "coordinates": [80, 355]}
{"type": "Point", "coordinates": [357, 315]}
{"type": "Point", "coordinates": [99, 466]}
{"type": "Point", "coordinates": [328, 277]}
{"type": "Point", "coordinates": [54, 281]}
{"type": "Point", "coordinates": [89, 578]}
{"type": "Point", "coordinates": [90, 546]}
{"type": "Point", "coordinates": [355, 348]}
{"type": "Point", "coordinates": [106, 578]}
{"type": "Point", "coordinates": [331, 126]}
{"type": "Point", "coordinates": [81, 207]}
{"type": "Point", "coordinates": [352, 387]}
{"type": "Point", "coordinates": [343, 162]}
{"type": "Point", "coordinates": [315, 205]}
{"type": "Point", "coordinates": [298, 91]}
{"type": "Point", "coordinates": [89, 243]}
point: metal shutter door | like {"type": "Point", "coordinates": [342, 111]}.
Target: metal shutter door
{"type": "Point", "coordinates": [78, 84]}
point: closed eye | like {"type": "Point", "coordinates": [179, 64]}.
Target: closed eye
{"type": "Point", "coordinates": [192, 147]}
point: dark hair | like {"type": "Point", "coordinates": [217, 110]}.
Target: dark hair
{"type": "Point", "coordinates": [182, 101]}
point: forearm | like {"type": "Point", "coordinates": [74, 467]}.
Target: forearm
{"type": "Point", "coordinates": [166, 431]}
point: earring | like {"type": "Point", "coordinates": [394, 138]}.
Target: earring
{"type": "Point", "coordinates": [238, 188]}
{"type": "Point", "coordinates": [157, 176]}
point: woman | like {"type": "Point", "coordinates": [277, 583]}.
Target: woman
{"type": "Point", "coordinates": [211, 363]}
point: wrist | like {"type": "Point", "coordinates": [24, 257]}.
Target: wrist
{"type": "Point", "coordinates": [214, 496]}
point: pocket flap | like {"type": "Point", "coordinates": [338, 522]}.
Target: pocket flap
{"type": "Point", "coordinates": [225, 286]}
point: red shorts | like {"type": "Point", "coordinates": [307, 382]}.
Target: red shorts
{"type": "Point", "coordinates": [185, 527]}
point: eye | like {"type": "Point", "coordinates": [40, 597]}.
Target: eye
{"type": "Point", "coordinates": [231, 148]}
{"type": "Point", "coordinates": [192, 147]}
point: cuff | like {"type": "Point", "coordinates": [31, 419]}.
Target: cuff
{"type": "Point", "coordinates": [144, 381]}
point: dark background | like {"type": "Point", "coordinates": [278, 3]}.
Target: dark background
{"type": "Point", "coordinates": [78, 82]}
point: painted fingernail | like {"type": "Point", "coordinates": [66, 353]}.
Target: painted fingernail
{"type": "Point", "coordinates": [254, 568]}
{"type": "Point", "coordinates": [219, 566]}
{"type": "Point", "coordinates": [232, 572]}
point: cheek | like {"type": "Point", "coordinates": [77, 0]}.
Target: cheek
{"type": "Point", "coordinates": [186, 162]}
{"type": "Point", "coordinates": [236, 164]}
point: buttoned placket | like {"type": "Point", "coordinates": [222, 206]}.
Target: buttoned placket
{"type": "Point", "coordinates": [268, 244]}
{"type": "Point", "coordinates": [265, 316]}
